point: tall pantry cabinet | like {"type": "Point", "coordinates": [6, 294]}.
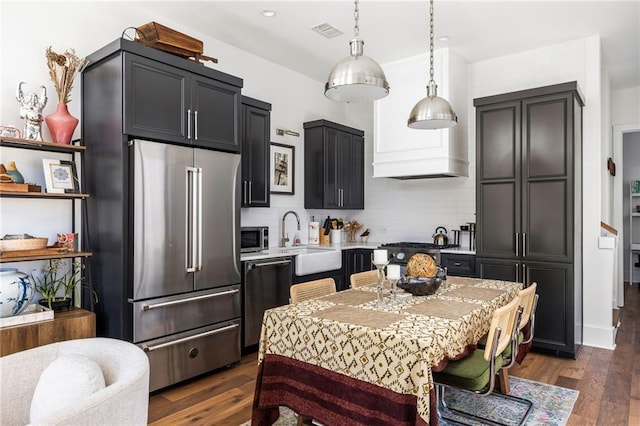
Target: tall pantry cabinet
{"type": "Point", "coordinates": [528, 203]}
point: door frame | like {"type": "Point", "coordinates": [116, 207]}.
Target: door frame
{"type": "Point", "coordinates": [618, 202]}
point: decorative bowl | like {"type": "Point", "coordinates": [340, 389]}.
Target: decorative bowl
{"type": "Point", "coordinates": [9, 243]}
{"type": "Point", "coordinates": [420, 286]}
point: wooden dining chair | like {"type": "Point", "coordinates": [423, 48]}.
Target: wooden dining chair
{"type": "Point", "coordinates": [520, 345]}
{"type": "Point", "coordinates": [476, 373]}
{"type": "Point", "coordinates": [360, 279]}
{"type": "Point", "coordinates": [312, 289]}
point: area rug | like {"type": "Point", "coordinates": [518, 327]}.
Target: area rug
{"type": "Point", "coordinates": [552, 405]}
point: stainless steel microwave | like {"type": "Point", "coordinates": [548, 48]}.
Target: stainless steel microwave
{"type": "Point", "coordinates": [254, 238]}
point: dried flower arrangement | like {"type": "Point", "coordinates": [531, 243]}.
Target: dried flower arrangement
{"type": "Point", "coordinates": [351, 228]}
{"type": "Point", "coordinates": [62, 70]}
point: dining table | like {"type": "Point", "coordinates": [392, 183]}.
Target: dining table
{"type": "Point", "coordinates": [346, 359]}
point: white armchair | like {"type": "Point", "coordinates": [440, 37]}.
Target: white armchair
{"type": "Point", "coordinates": [123, 401]}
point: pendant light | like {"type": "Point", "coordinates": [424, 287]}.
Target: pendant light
{"type": "Point", "coordinates": [356, 78]}
{"type": "Point", "coordinates": [432, 112]}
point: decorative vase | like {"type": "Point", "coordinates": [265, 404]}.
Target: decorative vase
{"type": "Point", "coordinates": [61, 124]}
{"type": "Point", "coordinates": [16, 292]}
{"type": "Point", "coordinates": [57, 304]}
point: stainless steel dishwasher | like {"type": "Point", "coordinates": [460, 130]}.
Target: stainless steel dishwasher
{"type": "Point", "coordinates": [266, 285]}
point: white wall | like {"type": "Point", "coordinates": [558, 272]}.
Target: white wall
{"type": "Point", "coordinates": [579, 61]}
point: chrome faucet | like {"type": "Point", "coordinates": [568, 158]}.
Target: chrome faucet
{"type": "Point", "coordinates": [284, 239]}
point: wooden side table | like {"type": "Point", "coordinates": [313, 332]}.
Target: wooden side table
{"type": "Point", "coordinates": [66, 325]}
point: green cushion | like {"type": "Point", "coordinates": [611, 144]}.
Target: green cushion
{"type": "Point", "coordinates": [470, 373]}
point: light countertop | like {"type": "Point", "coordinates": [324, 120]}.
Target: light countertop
{"type": "Point", "coordinates": [290, 250]}
{"type": "Point", "coordinates": [273, 252]}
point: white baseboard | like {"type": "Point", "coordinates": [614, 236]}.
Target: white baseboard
{"type": "Point", "coordinates": [599, 337]}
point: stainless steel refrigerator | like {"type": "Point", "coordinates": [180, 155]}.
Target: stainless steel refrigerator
{"type": "Point", "coordinates": [165, 234]}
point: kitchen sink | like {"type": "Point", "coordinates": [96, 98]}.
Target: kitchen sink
{"type": "Point", "coordinates": [311, 260]}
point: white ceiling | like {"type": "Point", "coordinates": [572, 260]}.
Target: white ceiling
{"type": "Point", "coordinates": [392, 30]}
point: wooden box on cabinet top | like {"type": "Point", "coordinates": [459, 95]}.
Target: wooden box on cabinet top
{"type": "Point", "coordinates": [333, 166]}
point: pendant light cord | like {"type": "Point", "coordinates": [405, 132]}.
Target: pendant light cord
{"type": "Point", "coordinates": [431, 80]}
{"type": "Point", "coordinates": [356, 16]}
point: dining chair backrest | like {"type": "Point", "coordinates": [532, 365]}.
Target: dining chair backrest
{"type": "Point", "coordinates": [364, 278]}
{"type": "Point", "coordinates": [527, 301]}
{"type": "Point", "coordinates": [312, 289]}
{"type": "Point", "coordinates": [503, 322]}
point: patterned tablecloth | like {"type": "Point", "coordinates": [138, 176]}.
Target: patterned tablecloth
{"type": "Point", "coordinates": [394, 347]}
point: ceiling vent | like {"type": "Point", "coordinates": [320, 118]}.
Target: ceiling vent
{"type": "Point", "coordinates": [327, 30]}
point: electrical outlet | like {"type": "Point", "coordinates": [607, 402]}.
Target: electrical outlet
{"type": "Point", "coordinates": [382, 230]}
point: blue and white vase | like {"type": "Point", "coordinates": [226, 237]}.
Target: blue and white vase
{"type": "Point", "coordinates": [16, 292]}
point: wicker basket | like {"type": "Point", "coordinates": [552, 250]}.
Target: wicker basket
{"type": "Point", "coordinates": [420, 286]}
{"type": "Point", "coordinates": [422, 265]}
{"type": "Point", "coordinates": [23, 244]}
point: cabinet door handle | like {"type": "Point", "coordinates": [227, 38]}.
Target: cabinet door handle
{"type": "Point", "coordinates": [524, 244]}
{"type": "Point", "coordinates": [195, 124]}
{"type": "Point", "coordinates": [457, 263]}
{"type": "Point", "coordinates": [250, 194]}
{"type": "Point", "coordinates": [524, 275]}
{"type": "Point", "coordinates": [517, 272]}
{"type": "Point", "coordinates": [517, 243]}
{"type": "Point", "coordinates": [244, 192]}
{"type": "Point", "coordinates": [188, 124]}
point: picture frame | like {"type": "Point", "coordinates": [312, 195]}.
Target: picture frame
{"type": "Point", "coordinates": [60, 176]}
{"type": "Point", "coordinates": [282, 165]}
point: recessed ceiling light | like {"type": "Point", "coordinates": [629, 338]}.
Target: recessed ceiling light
{"type": "Point", "coordinates": [443, 38]}
{"type": "Point", "coordinates": [268, 13]}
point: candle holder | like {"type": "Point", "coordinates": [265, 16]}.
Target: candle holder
{"type": "Point", "coordinates": [394, 289]}
{"type": "Point", "coordinates": [393, 275]}
{"type": "Point", "coordinates": [380, 265]}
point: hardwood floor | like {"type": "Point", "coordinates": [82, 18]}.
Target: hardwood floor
{"type": "Point", "coordinates": [608, 381]}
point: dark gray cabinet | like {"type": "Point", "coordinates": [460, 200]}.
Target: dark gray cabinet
{"type": "Point", "coordinates": [462, 265]}
{"type": "Point", "coordinates": [256, 132]}
{"type": "Point", "coordinates": [333, 166]}
{"type": "Point", "coordinates": [354, 261]}
{"type": "Point", "coordinates": [164, 97]}
{"type": "Point", "coordinates": [528, 181]}
{"type": "Point", "coordinates": [337, 275]}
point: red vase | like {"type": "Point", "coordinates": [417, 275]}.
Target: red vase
{"type": "Point", "coordinates": [61, 124]}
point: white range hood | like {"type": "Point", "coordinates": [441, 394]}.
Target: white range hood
{"type": "Point", "coordinates": [405, 153]}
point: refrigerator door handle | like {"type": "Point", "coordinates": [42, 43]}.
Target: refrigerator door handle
{"type": "Point", "coordinates": [199, 235]}
{"type": "Point", "coordinates": [147, 307]}
{"type": "Point", "coordinates": [148, 348]}
{"type": "Point", "coordinates": [192, 220]}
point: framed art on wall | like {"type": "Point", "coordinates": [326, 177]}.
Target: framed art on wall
{"type": "Point", "coordinates": [282, 169]}
{"type": "Point", "coordinates": [60, 176]}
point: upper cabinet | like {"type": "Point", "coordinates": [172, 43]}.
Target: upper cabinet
{"type": "Point", "coordinates": [165, 97]}
{"type": "Point", "coordinates": [333, 166]}
{"type": "Point", "coordinates": [256, 132]}
{"type": "Point", "coordinates": [405, 153]}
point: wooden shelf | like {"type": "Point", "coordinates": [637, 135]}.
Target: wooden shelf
{"type": "Point", "coordinates": [65, 325]}
{"type": "Point", "coordinates": [41, 146]}
{"type": "Point", "coordinates": [6, 259]}
{"type": "Point", "coordinates": [41, 195]}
